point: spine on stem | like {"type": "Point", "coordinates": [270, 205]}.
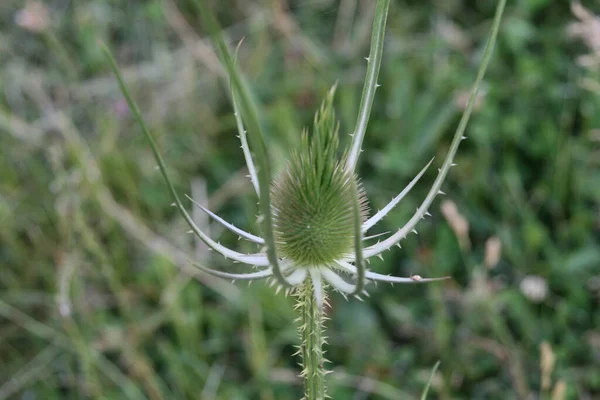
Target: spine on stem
{"type": "Point", "coordinates": [311, 326]}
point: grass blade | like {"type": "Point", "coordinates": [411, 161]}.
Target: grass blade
{"type": "Point", "coordinates": [426, 390]}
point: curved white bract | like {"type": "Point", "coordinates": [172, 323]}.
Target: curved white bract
{"type": "Point", "coordinates": [249, 276]}
{"type": "Point", "coordinates": [231, 227]}
{"type": "Point", "coordinates": [315, 276]}
{"type": "Point", "coordinates": [337, 282]}
{"type": "Point", "coordinates": [297, 276]}
{"type": "Point", "coordinates": [383, 212]}
{"type": "Point", "coordinates": [396, 279]}
{"type": "Point", "coordinates": [375, 236]}
{"type": "Point", "coordinates": [246, 148]}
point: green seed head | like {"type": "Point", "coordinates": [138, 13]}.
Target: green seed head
{"type": "Point", "coordinates": [313, 198]}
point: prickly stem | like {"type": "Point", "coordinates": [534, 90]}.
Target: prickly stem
{"type": "Point", "coordinates": [311, 328]}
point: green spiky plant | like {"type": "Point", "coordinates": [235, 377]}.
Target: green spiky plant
{"type": "Point", "coordinates": [314, 215]}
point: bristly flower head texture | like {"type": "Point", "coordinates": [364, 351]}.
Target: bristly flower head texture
{"type": "Point", "coordinates": [313, 199]}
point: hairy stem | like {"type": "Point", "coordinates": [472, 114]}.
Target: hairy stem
{"type": "Point", "coordinates": [311, 349]}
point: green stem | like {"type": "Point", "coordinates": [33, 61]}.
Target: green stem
{"type": "Point", "coordinates": [311, 332]}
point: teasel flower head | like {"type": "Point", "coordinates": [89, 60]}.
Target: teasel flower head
{"type": "Point", "coordinates": [314, 216]}
{"type": "Point", "coordinates": [313, 198]}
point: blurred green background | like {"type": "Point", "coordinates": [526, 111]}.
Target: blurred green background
{"type": "Point", "coordinates": [98, 299]}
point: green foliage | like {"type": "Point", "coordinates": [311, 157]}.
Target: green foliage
{"type": "Point", "coordinates": [88, 240]}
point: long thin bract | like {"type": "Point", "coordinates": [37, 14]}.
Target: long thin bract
{"type": "Point", "coordinates": [368, 94]}
{"type": "Point", "coordinates": [458, 137]}
{"type": "Point", "coordinates": [366, 102]}
{"type": "Point", "coordinates": [249, 112]}
{"type": "Point", "coordinates": [242, 233]}
{"type": "Point", "coordinates": [242, 132]}
{"type": "Point", "coordinates": [254, 259]}
{"type": "Point", "coordinates": [383, 212]}
{"type": "Point", "coordinates": [359, 262]}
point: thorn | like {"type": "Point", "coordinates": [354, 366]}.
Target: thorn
{"type": "Point", "coordinates": [463, 138]}
{"type": "Point", "coordinates": [156, 167]}
{"type": "Point", "coordinates": [250, 282]}
{"type": "Point", "coordinates": [377, 85]}
{"type": "Point", "coordinates": [235, 114]}
{"type": "Point", "coordinates": [173, 204]}
{"type": "Point", "coordinates": [427, 213]}
{"type": "Point", "coordinates": [380, 257]}
{"type": "Point", "coordinates": [278, 289]}
{"type": "Point", "coordinates": [453, 164]}
{"type": "Point", "coordinates": [439, 170]}
{"type": "Point", "coordinates": [233, 281]}
{"type": "Point", "coordinates": [416, 278]}
{"type": "Point", "coordinates": [367, 58]}
{"type": "Point", "coordinates": [358, 297]}
{"type": "Point", "coordinates": [398, 244]}
{"type": "Point", "coordinates": [440, 192]}
{"type": "Point", "coordinates": [190, 231]}
{"type": "Point", "coordinates": [415, 231]}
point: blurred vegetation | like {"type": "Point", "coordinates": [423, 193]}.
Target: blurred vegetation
{"type": "Point", "coordinates": [97, 299]}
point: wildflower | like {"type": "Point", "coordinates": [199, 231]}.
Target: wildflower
{"type": "Point", "coordinates": [314, 215]}
{"type": "Point", "coordinates": [312, 210]}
